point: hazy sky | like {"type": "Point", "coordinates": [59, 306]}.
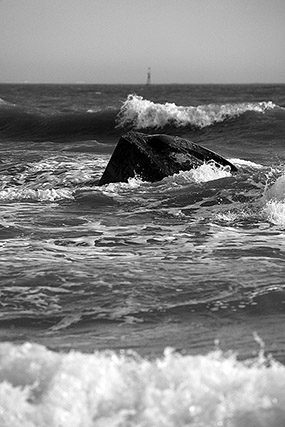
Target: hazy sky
{"type": "Point", "coordinates": [115, 41]}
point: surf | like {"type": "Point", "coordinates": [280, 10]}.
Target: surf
{"type": "Point", "coordinates": [42, 387]}
{"type": "Point", "coordinates": [20, 123]}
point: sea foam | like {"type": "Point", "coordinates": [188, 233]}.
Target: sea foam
{"type": "Point", "coordinates": [44, 388]}
{"type": "Point", "coordinates": [48, 194]}
{"type": "Point", "coordinates": [206, 172]}
{"type": "Point", "coordinates": [274, 198]}
{"type": "Point", "coordinates": [141, 113]}
{"type": "Point", "coordinates": [49, 180]}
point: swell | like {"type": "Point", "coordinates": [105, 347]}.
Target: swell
{"type": "Point", "coordinates": [20, 125]}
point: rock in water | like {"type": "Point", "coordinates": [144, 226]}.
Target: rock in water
{"type": "Point", "coordinates": [153, 157]}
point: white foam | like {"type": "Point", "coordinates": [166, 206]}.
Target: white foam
{"type": "Point", "coordinates": [65, 172]}
{"type": "Point", "coordinates": [206, 172]}
{"type": "Point", "coordinates": [50, 179]}
{"type": "Point", "coordinates": [142, 113]}
{"type": "Point", "coordinates": [275, 212]}
{"type": "Point", "coordinates": [49, 194]}
{"type": "Point", "coordinates": [42, 388]}
{"type": "Point", "coordinates": [274, 198]}
{"type": "Point", "coordinates": [118, 189]}
{"type": "Point", "coordinates": [246, 163]}
{"type": "Point", "coordinates": [277, 190]}
{"type": "Point", "coordinates": [228, 216]}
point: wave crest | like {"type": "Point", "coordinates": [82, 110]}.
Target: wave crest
{"type": "Point", "coordinates": [4, 103]}
{"type": "Point", "coordinates": [141, 113]}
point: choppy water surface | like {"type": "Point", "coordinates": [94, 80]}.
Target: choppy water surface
{"type": "Point", "coordinates": [194, 262]}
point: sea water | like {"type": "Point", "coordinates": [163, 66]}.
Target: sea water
{"type": "Point", "coordinates": [141, 304]}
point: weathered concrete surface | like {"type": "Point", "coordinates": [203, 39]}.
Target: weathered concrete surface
{"type": "Point", "coordinates": [153, 157]}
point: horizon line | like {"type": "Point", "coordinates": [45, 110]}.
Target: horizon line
{"type": "Point", "coordinates": [139, 84]}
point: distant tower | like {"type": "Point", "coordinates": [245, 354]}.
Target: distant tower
{"type": "Point", "coordinates": [148, 81]}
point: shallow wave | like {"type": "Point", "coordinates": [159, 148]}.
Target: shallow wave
{"type": "Point", "coordinates": [54, 178]}
{"type": "Point", "coordinates": [142, 114]}
{"type": "Point", "coordinates": [59, 178]}
{"type": "Point", "coordinates": [41, 387]}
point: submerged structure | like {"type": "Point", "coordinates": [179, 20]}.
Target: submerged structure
{"type": "Point", "coordinates": [153, 157]}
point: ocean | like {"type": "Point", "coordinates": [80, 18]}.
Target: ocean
{"type": "Point", "coordinates": [141, 304]}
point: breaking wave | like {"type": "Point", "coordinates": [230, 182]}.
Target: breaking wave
{"type": "Point", "coordinates": [20, 124]}
{"type": "Point", "coordinates": [142, 113]}
{"type": "Point", "coordinates": [274, 197]}
{"type": "Point", "coordinates": [42, 388]}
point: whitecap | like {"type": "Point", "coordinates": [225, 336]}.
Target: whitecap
{"type": "Point", "coordinates": [142, 113]}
